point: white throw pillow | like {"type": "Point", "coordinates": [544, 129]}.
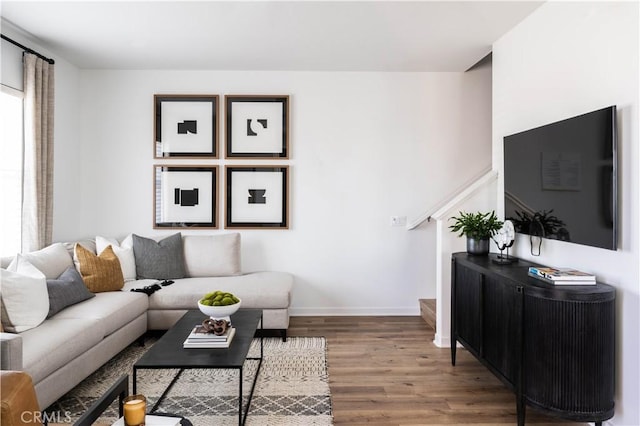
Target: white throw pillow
{"type": "Point", "coordinates": [25, 299]}
{"type": "Point", "coordinates": [124, 252]}
{"type": "Point", "coordinates": [212, 255]}
{"type": "Point", "coordinates": [52, 260]}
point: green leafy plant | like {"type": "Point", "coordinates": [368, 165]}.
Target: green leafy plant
{"type": "Point", "coordinates": [476, 225]}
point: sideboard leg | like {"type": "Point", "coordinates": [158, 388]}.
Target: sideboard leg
{"type": "Point", "coordinates": [453, 333]}
{"type": "Point", "coordinates": [453, 352]}
{"type": "Point", "coordinates": [521, 410]}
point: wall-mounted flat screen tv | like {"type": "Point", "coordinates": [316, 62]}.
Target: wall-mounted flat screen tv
{"type": "Point", "coordinates": [560, 180]}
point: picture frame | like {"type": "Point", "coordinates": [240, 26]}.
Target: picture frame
{"type": "Point", "coordinates": [257, 197]}
{"type": "Point", "coordinates": [185, 126]}
{"type": "Point", "coordinates": [257, 126]}
{"type": "Point", "coordinates": [185, 196]}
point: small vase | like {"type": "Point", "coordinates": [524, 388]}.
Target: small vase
{"type": "Point", "coordinates": [478, 247]}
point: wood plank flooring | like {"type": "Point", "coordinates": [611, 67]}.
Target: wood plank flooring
{"type": "Point", "coordinates": [387, 371]}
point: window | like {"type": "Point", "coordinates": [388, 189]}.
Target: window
{"type": "Point", "coordinates": [11, 147]}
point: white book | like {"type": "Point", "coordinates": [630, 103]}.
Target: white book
{"type": "Point", "coordinates": [191, 344]}
{"type": "Point", "coordinates": [151, 420]}
{"type": "Point", "coordinates": [199, 333]}
{"type": "Point", "coordinates": [561, 274]}
{"type": "Point", "coordinates": [561, 283]}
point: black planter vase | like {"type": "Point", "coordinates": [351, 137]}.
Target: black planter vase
{"type": "Point", "coordinates": [478, 247]}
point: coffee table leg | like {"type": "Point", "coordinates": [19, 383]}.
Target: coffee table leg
{"type": "Point", "coordinates": [135, 381]}
{"type": "Point", "coordinates": [240, 422]}
{"type": "Point", "coordinates": [166, 391]}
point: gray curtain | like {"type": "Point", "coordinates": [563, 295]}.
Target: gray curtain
{"type": "Point", "coordinates": [37, 187]}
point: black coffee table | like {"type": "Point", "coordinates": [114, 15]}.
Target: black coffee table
{"type": "Point", "coordinates": [169, 353]}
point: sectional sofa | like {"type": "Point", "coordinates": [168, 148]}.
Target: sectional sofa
{"type": "Point", "coordinates": [69, 345]}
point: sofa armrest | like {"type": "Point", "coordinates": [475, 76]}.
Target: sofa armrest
{"type": "Point", "coordinates": [10, 351]}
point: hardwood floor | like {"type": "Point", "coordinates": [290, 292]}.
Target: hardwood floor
{"type": "Point", "coordinates": [387, 371]}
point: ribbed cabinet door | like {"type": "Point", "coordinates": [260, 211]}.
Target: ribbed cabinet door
{"type": "Point", "coordinates": [569, 356]}
{"type": "Point", "coordinates": [501, 322]}
{"type": "Point", "coordinates": [468, 290]}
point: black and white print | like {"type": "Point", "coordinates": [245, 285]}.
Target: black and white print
{"type": "Point", "coordinates": [257, 126]}
{"type": "Point", "coordinates": [256, 197]}
{"type": "Point", "coordinates": [186, 126]}
{"type": "Point", "coordinates": [185, 196]}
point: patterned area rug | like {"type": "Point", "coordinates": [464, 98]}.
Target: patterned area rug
{"type": "Point", "coordinates": [292, 387]}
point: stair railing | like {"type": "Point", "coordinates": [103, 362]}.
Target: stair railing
{"type": "Point", "coordinates": [463, 192]}
{"type": "Point", "coordinates": [440, 212]}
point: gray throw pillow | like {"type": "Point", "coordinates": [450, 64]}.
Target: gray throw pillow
{"type": "Point", "coordinates": [159, 260]}
{"type": "Point", "coordinates": [67, 290]}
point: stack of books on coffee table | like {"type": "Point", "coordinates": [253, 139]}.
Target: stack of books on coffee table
{"type": "Point", "coordinates": [201, 338]}
{"type": "Point", "coordinates": [562, 276]}
{"type": "Point", "coordinates": [151, 420]}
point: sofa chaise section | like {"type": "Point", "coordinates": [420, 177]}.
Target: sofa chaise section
{"type": "Point", "coordinates": [268, 290]}
{"type": "Point", "coordinates": [66, 348]}
{"type": "Point", "coordinates": [70, 345]}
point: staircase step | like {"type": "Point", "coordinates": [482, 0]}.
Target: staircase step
{"type": "Point", "coordinates": [428, 311]}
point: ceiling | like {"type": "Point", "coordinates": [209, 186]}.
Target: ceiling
{"type": "Point", "coordinates": [269, 35]}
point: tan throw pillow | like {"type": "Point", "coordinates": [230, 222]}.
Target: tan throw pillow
{"type": "Point", "coordinates": [100, 273]}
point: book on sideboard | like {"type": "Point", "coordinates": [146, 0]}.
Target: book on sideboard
{"type": "Point", "coordinates": [562, 276]}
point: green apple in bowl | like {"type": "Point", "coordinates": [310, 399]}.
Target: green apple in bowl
{"type": "Point", "coordinates": [219, 304]}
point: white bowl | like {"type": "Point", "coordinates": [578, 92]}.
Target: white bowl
{"type": "Point", "coordinates": [219, 311]}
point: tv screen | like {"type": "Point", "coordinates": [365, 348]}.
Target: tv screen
{"type": "Point", "coordinates": [560, 180]}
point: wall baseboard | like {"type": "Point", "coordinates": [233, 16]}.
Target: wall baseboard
{"type": "Point", "coordinates": [441, 341]}
{"type": "Point", "coordinates": [342, 311]}
{"type": "Point", "coordinates": [444, 342]}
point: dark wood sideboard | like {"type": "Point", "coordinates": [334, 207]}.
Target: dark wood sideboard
{"type": "Point", "coordinates": [554, 346]}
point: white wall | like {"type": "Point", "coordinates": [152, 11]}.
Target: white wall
{"type": "Point", "coordinates": [364, 147]}
{"type": "Point", "coordinates": [10, 65]}
{"type": "Point", "coordinates": [67, 162]}
{"type": "Point", "coordinates": [565, 59]}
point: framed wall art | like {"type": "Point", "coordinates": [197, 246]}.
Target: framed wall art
{"type": "Point", "coordinates": [186, 126]}
{"type": "Point", "coordinates": [185, 196]}
{"type": "Point", "coordinates": [257, 126]}
{"type": "Point", "coordinates": [257, 197]}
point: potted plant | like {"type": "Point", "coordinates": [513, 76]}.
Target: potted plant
{"type": "Point", "coordinates": [478, 228]}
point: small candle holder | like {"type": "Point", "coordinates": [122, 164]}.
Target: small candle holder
{"type": "Point", "coordinates": [135, 410]}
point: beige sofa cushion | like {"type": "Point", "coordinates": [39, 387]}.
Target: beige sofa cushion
{"type": "Point", "coordinates": [56, 342]}
{"type": "Point", "coordinates": [212, 255]}
{"type": "Point", "coordinates": [52, 260]}
{"type": "Point", "coordinates": [114, 309]}
{"type": "Point", "coordinates": [265, 290]}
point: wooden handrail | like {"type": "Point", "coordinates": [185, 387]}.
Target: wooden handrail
{"type": "Point", "coordinates": [459, 195]}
